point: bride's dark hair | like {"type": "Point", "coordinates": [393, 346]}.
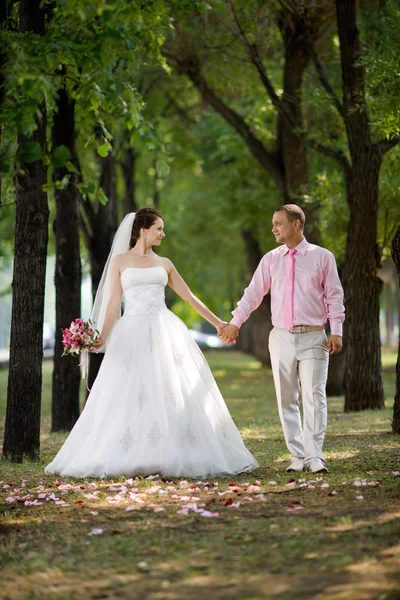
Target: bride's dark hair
{"type": "Point", "coordinates": [145, 217]}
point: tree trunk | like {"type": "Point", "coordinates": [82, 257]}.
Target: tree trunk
{"type": "Point", "coordinates": [66, 375]}
{"type": "Point", "coordinates": [396, 407]}
{"type": "Point", "coordinates": [3, 21]}
{"type": "Point", "coordinates": [22, 426]}
{"type": "Point", "coordinates": [291, 144]}
{"type": "Point", "coordinates": [104, 225]}
{"type": "Point", "coordinates": [129, 173]}
{"type": "Point", "coordinates": [363, 375]}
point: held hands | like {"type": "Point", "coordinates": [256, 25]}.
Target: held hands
{"type": "Point", "coordinates": [335, 344]}
{"type": "Point", "coordinates": [229, 333]}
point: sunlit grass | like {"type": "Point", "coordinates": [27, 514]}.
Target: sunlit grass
{"type": "Point", "coordinates": [336, 548]}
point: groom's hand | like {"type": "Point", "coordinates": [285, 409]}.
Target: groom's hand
{"type": "Point", "coordinates": [229, 334]}
{"type": "Point", "coordinates": [335, 344]}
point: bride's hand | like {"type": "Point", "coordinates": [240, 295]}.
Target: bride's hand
{"type": "Point", "coordinates": [99, 343]}
{"type": "Point", "coordinates": [220, 325]}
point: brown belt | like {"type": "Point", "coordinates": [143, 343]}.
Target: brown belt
{"type": "Point", "coordinates": [306, 328]}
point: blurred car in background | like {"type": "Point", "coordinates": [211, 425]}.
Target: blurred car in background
{"type": "Point", "coordinates": [208, 340]}
{"type": "Point", "coordinates": [48, 336]}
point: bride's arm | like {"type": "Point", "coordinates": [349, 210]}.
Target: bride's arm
{"type": "Point", "coordinates": [114, 303]}
{"type": "Point", "coordinates": [179, 286]}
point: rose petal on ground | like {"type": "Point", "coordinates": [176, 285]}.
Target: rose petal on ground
{"type": "Point", "coordinates": [97, 531]}
{"type": "Point", "coordinates": [208, 514]}
{"type": "Point", "coordinates": [360, 497]}
{"type": "Point", "coordinates": [333, 493]}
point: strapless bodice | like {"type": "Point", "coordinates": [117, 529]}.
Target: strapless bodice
{"type": "Point", "coordinates": [144, 290]}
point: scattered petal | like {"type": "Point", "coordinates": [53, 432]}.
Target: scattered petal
{"type": "Point", "coordinates": [96, 532]}
{"type": "Point", "coordinates": [209, 514]}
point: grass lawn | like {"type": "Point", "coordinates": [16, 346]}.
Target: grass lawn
{"type": "Point", "coordinates": [261, 535]}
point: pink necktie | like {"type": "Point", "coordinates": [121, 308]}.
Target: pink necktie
{"type": "Point", "coordinates": [289, 291]}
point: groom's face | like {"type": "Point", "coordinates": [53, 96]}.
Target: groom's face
{"type": "Point", "coordinates": [282, 228]}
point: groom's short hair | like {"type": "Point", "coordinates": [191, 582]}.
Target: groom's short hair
{"type": "Point", "coordinates": [293, 213]}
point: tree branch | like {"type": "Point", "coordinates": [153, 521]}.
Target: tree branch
{"type": "Point", "coordinates": [336, 155]}
{"type": "Point", "coordinates": [323, 79]}
{"type": "Point", "coordinates": [386, 145]}
{"type": "Point", "coordinates": [190, 66]}
{"type": "Point", "coordinates": [252, 51]}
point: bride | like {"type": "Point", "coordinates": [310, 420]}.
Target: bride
{"type": "Point", "coordinates": [155, 406]}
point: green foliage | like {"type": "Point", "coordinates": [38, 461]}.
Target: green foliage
{"type": "Point", "coordinates": [381, 60]}
{"type": "Point", "coordinates": [91, 49]}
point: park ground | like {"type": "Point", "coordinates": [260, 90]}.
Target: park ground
{"type": "Point", "coordinates": [267, 534]}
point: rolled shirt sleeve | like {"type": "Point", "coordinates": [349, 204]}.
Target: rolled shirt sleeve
{"type": "Point", "coordinates": [333, 293]}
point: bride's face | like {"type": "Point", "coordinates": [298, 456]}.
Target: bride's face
{"type": "Point", "coordinates": [155, 235]}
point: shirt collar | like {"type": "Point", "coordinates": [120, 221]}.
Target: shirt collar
{"type": "Point", "coordinates": [302, 247]}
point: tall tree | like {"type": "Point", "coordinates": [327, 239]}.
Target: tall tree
{"type": "Point", "coordinates": [363, 380]}
{"type": "Point", "coordinates": [284, 157]}
{"type": "Point", "coordinates": [67, 277]}
{"type": "Point", "coordinates": [396, 407]}
{"type": "Point", "coordinates": [99, 225]}
{"type": "Point", "coordinates": [22, 426]}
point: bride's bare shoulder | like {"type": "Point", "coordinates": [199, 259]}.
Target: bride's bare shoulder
{"type": "Point", "coordinates": [167, 264]}
{"type": "Point", "coordinates": [119, 260]}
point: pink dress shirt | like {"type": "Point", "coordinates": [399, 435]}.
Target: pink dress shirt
{"type": "Point", "coordinates": [318, 293]}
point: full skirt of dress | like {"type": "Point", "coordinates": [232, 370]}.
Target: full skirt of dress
{"type": "Point", "coordinates": [154, 408]}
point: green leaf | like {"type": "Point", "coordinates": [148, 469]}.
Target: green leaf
{"type": "Point", "coordinates": [86, 188]}
{"type": "Point", "coordinates": [30, 152]}
{"type": "Point", "coordinates": [162, 168]}
{"type": "Point", "coordinates": [70, 167]}
{"type": "Point", "coordinates": [61, 185]}
{"type": "Point", "coordinates": [90, 140]}
{"type": "Point", "coordinates": [104, 149]}
{"type": "Point", "coordinates": [102, 197]}
{"type": "Point", "coordinates": [60, 156]}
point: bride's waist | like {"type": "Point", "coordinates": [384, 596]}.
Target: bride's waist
{"type": "Point", "coordinates": [141, 308]}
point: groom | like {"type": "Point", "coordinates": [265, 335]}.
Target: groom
{"type": "Point", "coordinates": [305, 293]}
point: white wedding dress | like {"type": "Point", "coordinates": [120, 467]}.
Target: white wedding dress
{"type": "Point", "coordinates": [155, 406]}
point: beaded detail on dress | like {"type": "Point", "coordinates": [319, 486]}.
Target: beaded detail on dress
{"type": "Point", "coordinates": [144, 299]}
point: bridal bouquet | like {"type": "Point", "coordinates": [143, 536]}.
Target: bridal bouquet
{"type": "Point", "coordinates": [79, 336]}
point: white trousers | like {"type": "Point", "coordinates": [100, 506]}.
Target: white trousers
{"type": "Point", "coordinates": [300, 365]}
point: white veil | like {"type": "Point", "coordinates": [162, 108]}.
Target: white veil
{"type": "Point", "coordinates": [109, 277]}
